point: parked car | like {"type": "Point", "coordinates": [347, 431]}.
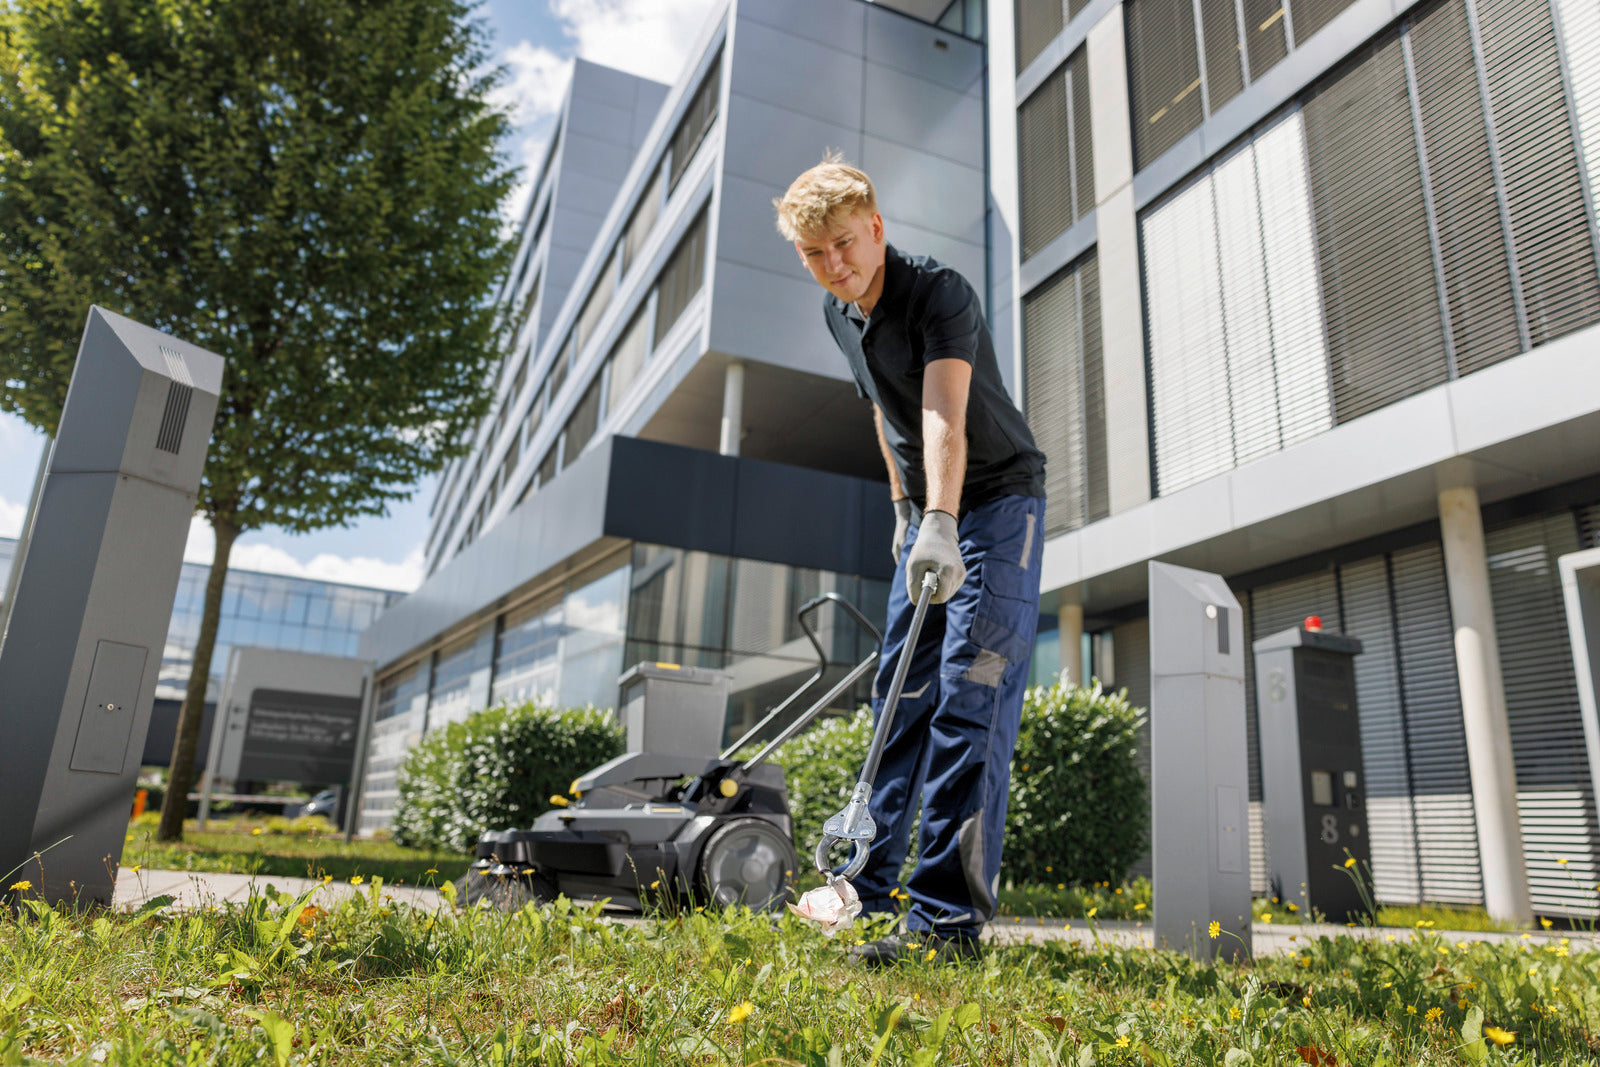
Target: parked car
{"type": "Point", "coordinates": [325, 804]}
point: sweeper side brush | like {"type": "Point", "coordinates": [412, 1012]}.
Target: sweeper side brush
{"type": "Point", "coordinates": [650, 828]}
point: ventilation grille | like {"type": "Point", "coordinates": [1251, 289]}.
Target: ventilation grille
{"type": "Point", "coordinates": [180, 391]}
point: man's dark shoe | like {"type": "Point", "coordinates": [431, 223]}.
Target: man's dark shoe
{"type": "Point", "coordinates": [910, 946]}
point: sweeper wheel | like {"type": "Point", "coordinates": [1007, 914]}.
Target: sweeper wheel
{"type": "Point", "coordinates": [750, 862]}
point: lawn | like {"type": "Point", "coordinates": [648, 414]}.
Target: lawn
{"type": "Point", "coordinates": [280, 980]}
{"type": "Point", "coordinates": [266, 846]}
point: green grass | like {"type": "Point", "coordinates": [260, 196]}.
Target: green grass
{"type": "Point", "coordinates": [1130, 901]}
{"type": "Point", "coordinates": [265, 846]}
{"type": "Point", "coordinates": [373, 982]}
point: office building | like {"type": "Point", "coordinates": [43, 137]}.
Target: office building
{"type": "Point", "coordinates": [1305, 293]}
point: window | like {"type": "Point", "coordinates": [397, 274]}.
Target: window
{"type": "Point", "coordinates": [558, 371]}
{"type": "Point", "coordinates": [527, 659]}
{"type": "Point", "coordinates": [550, 464]}
{"type": "Point", "coordinates": [1238, 368]}
{"type": "Point", "coordinates": [1065, 393]}
{"type": "Point", "coordinates": [697, 119]}
{"type": "Point", "coordinates": [627, 359]}
{"type": "Point", "coordinates": [585, 419]}
{"type": "Point", "coordinates": [1055, 171]}
{"type": "Point", "coordinates": [681, 277]}
{"type": "Point", "coordinates": [595, 305]}
{"type": "Point", "coordinates": [1038, 22]}
{"type": "Point", "coordinates": [644, 217]}
{"type": "Point", "coordinates": [518, 379]}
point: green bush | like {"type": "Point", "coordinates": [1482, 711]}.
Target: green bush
{"type": "Point", "coordinates": [1079, 808]}
{"type": "Point", "coordinates": [496, 769]}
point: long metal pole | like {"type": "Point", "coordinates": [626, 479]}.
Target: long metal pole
{"type": "Point", "coordinates": [25, 536]}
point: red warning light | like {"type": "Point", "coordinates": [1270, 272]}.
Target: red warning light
{"type": "Point", "coordinates": [1314, 623]}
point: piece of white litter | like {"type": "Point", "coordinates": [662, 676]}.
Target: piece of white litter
{"type": "Point", "coordinates": [833, 907]}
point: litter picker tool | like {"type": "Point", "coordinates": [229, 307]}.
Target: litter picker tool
{"type": "Point", "coordinates": [835, 904]}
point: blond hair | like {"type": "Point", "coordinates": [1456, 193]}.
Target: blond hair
{"type": "Point", "coordinates": [820, 198]}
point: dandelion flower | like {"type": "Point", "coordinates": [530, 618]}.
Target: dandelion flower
{"type": "Point", "coordinates": [1061, 885]}
{"type": "Point", "coordinates": [256, 832]}
{"type": "Point", "coordinates": [1434, 1014]}
{"type": "Point", "coordinates": [1351, 862]}
{"type": "Point", "coordinates": [932, 952]}
{"type": "Point", "coordinates": [135, 868]}
{"type": "Point", "coordinates": [356, 879]}
{"type": "Point", "coordinates": [1388, 937]}
{"type": "Point", "coordinates": [1123, 1042]}
{"type": "Point", "coordinates": [1411, 1009]}
{"type": "Point", "coordinates": [1499, 1036]}
{"type": "Point", "coordinates": [1266, 917]}
{"type": "Point", "coordinates": [1093, 912]}
{"type": "Point", "coordinates": [740, 1012]}
{"type": "Point", "coordinates": [1546, 923]}
{"type": "Point", "coordinates": [1233, 1012]}
{"type": "Point", "coordinates": [431, 870]}
{"type": "Point", "coordinates": [1139, 906]}
{"type": "Point", "coordinates": [656, 884]}
{"type": "Point", "coordinates": [1214, 929]}
{"type": "Point", "coordinates": [22, 886]}
{"type": "Point", "coordinates": [1562, 862]}
{"type": "Point", "coordinates": [1293, 908]}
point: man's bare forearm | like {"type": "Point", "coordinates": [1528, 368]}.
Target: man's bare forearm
{"type": "Point", "coordinates": [944, 432]}
{"type": "Point", "coordinates": [897, 491]}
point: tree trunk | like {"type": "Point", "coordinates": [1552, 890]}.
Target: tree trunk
{"type": "Point", "coordinates": [180, 777]}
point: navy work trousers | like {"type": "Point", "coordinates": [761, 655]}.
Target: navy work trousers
{"type": "Point", "coordinates": [953, 734]}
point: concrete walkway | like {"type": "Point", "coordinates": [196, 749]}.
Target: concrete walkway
{"type": "Point", "coordinates": [193, 889]}
{"type": "Point", "coordinates": [201, 889]}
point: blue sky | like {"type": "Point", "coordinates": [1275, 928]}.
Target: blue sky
{"type": "Point", "coordinates": [535, 41]}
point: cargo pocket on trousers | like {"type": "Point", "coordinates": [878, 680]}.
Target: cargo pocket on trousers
{"type": "Point", "coordinates": [1004, 617]}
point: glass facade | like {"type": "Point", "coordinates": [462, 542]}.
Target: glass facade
{"type": "Point", "coordinates": [258, 610]}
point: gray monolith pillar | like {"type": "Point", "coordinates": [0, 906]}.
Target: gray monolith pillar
{"type": "Point", "coordinates": [1199, 774]}
{"type": "Point", "coordinates": [81, 654]}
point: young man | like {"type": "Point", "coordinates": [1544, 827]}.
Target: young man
{"type": "Point", "coordinates": [968, 490]}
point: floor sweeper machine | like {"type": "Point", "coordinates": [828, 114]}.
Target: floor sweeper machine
{"type": "Point", "coordinates": [651, 828]}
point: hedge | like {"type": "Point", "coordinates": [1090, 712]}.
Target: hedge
{"type": "Point", "coordinates": [496, 769]}
{"type": "Point", "coordinates": [1079, 808]}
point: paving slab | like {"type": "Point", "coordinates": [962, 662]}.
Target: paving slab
{"type": "Point", "coordinates": [194, 890]}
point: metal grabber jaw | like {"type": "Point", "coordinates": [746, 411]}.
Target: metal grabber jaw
{"type": "Point", "coordinates": [854, 824]}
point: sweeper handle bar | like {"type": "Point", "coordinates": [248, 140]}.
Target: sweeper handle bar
{"type": "Point", "coordinates": [854, 824]}
{"type": "Point", "coordinates": [803, 616]}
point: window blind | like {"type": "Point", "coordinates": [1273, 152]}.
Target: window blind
{"type": "Point", "coordinates": [1163, 75]}
{"type": "Point", "coordinates": [1037, 22]}
{"type": "Point", "coordinates": [1382, 309]}
{"type": "Point", "coordinates": [1224, 58]}
{"type": "Point", "coordinates": [696, 121]}
{"type": "Point", "coordinates": [1044, 164]}
{"type": "Point", "coordinates": [681, 277]}
{"type": "Point", "coordinates": [1555, 797]}
{"type": "Point", "coordinates": [1538, 154]}
{"type": "Point", "coordinates": [1472, 247]}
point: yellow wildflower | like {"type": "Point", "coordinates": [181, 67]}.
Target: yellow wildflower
{"type": "Point", "coordinates": [1214, 929]}
{"type": "Point", "coordinates": [1351, 862]}
{"type": "Point", "coordinates": [1266, 917]}
{"type": "Point", "coordinates": [356, 879]}
{"type": "Point", "coordinates": [1123, 1042]}
{"type": "Point", "coordinates": [1499, 1036]}
{"type": "Point", "coordinates": [740, 1012]}
{"type": "Point", "coordinates": [932, 952]}
{"type": "Point", "coordinates": [1546, 923]}
{"type": "Point", "coordinates": [256, 832]}
{"type": "Point", "coordinates": [1233, 1012]}
{"type": "Point", "coordinates": [1434, 1014]}
{"type": "Point", "coordinates": [1139, 906]}
{"type": "Point", "coordinates": [1411, 1009]}
{"type": "Point", "coordinates": [135, 868]}
{"type": "Point", "coordinates": [431, 870]}
{"type": "Point", "coordinates": [1093, 912]}
{"type": "Point", "coordinates": [1562, 862]}
{"type": "Point", "coordinates": [22, 886]}
{"type": "Point", "coordinates": [1061, 885]}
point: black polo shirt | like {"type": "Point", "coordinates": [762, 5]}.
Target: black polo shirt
{"type": "Point", "coordinates": [928, 311]}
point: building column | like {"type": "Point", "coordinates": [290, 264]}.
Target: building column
{"type": "Point", "coordinates": [1070, 616]}
{"type": "Point", "coordinates": [1483, 708]}
{"type": "Point", "coordinates": [1117, 249]}
{"type": "Point", "coordinates": [732, 408]}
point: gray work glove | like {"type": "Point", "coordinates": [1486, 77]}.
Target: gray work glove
{"type": "Point", "coordinates": [937, 549]}
{"type": "Point", "coordinates": [902, 523]}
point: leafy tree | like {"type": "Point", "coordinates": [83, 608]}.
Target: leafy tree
{"type": "Point", "coordinates": [309, 188]}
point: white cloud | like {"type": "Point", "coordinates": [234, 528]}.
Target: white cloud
{"type": "Point", "coordinates": [268, 558]}
{"type": "Point", "coordinates": [11, 515]}
{"type": "Point", "coordinates": [650, 38]}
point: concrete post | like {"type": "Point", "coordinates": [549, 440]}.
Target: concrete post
{"type": "Point", "coordinates": [732, 408]}
{"type": "Point", "coordinates": [80, 658]}
{"type": "Point", "coordinates": [1070, 614]}
{"type": "Point", "coordinates": [1483, 707]}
